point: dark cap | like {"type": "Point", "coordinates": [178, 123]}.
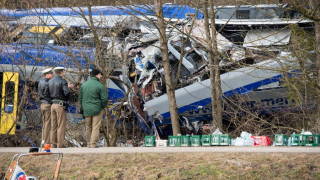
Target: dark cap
{"type": "Point", "coordinates": [94, 72]}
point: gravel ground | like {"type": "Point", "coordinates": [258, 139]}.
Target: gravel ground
{"type": "Point", "coordinates": [245, 149]}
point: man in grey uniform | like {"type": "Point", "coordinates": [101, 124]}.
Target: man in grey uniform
{"type": "Point", "coordinates": [45, 107]}
{"type": "Point", "coordinates": [59, 92]}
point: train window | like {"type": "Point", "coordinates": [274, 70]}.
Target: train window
{"type": "Point", "coordinates": [3, 34]}
{"type": "Point", "coordinates": [33, 94]}
{"type": "Point", "coordinates": [243, 14]}
{"type": "Point", "coordinates": [9, 31]}
{"type": "Point", "coordinates": [9, 97]}
{"type": "Point", "coordinates": [225, 13]}
{"type": "Point", "coordinates": [87, 40]}
{"type": "Point", "coordinates": [72, 35]}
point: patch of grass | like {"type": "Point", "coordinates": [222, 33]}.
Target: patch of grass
{"type": "Point", "coordinates": [174, 166]}
{"type": "Point", "coordinates": [209, 170]}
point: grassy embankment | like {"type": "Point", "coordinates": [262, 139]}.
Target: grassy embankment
{"type": "Point", "coordinates": [173, 166]}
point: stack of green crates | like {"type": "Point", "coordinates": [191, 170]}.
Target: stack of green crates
{"type": "Point", "coordinates": [297, 140]}
{"type": "Point", "coordinates": [206, 140]}
{"type": "Point", "coordinates": [225, 140]}
{"type": "Point", "coordinates": [280, 140]}
{"type": "Point", "coordinates": [220, 140]}
{"type": "Point", "coordinates": [149, 141]}
{"type": "Point", "coordinates": [311, 140]}
{"type": "Point", "coordinates": [195, 140]}
{"type": "Point", "coordinates": [215, 139]}
{"type": "Point", "coordinates": [174, 141]}
{"type": "Point", "coordinates": [185, 141]}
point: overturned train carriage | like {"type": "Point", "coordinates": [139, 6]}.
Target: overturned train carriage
{"type": "Point", "coordinates": [40, 38]}
{"type": "Point", "coordinates": [252, 78]}
{"type": "Point", "coordinates": [247, 79]}
{"type": "Point", "coordinates": [257, 87]}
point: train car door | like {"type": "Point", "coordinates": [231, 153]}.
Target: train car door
{"type": "Point", "coordinates": [9, 102]}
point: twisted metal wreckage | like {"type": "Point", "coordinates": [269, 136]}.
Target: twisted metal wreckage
{"type": "Point", "coordinates": [246, 70]}
{"type": "Point", "coordinates": [250, 76]}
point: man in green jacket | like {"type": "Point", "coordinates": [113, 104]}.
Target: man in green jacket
{"type": "Point", "coordinates": [93, 99]}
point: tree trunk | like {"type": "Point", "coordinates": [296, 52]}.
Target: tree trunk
{"type": "Point", "coordinates": [213, 57]}
{"type": "Point", "coordinates": [167, 72]}
{"type": "Point", "coordinates": [315, 4]}
{"type": "Point", "coordinates": [210, 58]}
{"type": "Point", "coordinates": [216, 69]}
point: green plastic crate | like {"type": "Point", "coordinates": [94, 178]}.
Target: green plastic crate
{"type": "Point", "coordinates": [311, 140]}
{"type": "Point", "coordinates": [149, 141]}
{"type": "Point", "coordinates": [215, 139]}
{"type": "Point", "coordinates": [174, 141]}
{"type": "Point", "coordinates": [297, 140]}
{"type": "Point", "coordinates": [185, 141]}
{"type": "Point", "coordinates": [225, 140]}
{"type": "Point", "coordinates": [195, 140]}
{"type": "Point", "coordinates": [206, 140]}
{"type": "Point", "coordinates": [280, 140]}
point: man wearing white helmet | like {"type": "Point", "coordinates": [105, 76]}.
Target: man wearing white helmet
{"type": "Point", "coordinates": [60, 93]}
{"type": "Point", "coordinates": [45, 107]}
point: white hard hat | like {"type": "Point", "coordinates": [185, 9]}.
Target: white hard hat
{"type": "Point", "coordinates": [58, 68]}
{"type": "Point", "coordinates": [48, 70]}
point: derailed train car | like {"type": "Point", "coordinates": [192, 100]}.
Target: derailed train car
{"type": "Point", "coordinates": [245, 71]}
{"type": "Point", "coordinates": [21, 65]}
{"type": "Point", "coordinates": [39, 38]}
{"type": "Point", "coordinates": [252, 71]}
{"type": "Point", "coordinates": [255, 79]}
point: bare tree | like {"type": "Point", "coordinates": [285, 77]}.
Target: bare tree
{"type": "Point", "coordinates": [316, 17]}
{"type": "Point", "coordinates": [166, 64]}
{"type": "Point", "coordinates": [213, 57]}
{"type": "Point", "coordinates": [311, 10]}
